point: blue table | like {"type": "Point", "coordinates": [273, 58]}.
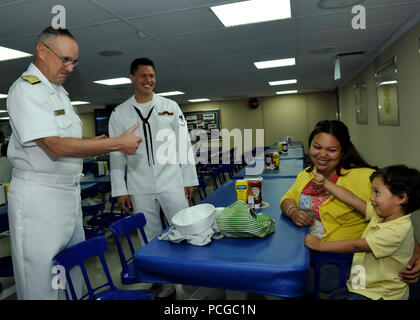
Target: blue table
{"type": "Point", "coordinates": [287, 169]}
{"type": "Point", "coordinates": [275, 265]}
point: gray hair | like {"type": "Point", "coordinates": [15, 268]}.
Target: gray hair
{"type": "Point", "coordinates": [50, 33]}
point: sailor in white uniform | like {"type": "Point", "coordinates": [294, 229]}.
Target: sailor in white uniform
{"type": "Point", "coordinates": [45, 150]}
{"type": "Point", "coordinates": [162, 173]}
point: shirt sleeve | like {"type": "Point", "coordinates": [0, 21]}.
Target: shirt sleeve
{"type": "Point", "coordinates": [31, 113]}
{"type": "Point", "coordinates": [293, 192]}
{"type": "Point", "coordinates": [384, 241]}
{"type": "Point", "coordinates": [186, 152]}
{"type": "Point", "coordinates": [370, 211]}
{"type": "Point", "coordinates": [118, 160]}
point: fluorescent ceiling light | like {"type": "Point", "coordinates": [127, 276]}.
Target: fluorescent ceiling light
{"type": "Point", "coordinates": [10, 54]}
{"type": "Point", "coordinates": [5, 118]}
{"type": "Point", "coordinates": [77, 103]}
{"type": "Point", "coordinates": [275, 63]}
{"type": "Point", "coordinates": [286, 92]}
{"type": "Point", "coordinates": [199, 100]}
{"type": "Point", "coordinates": [252, 11]}
{"type": "Point", "coordinates": [2, 96]}
{"type": "Point", "coordinates": [113, 82]}
{"type": "Point", "coordinates": [384, 83]}
{"type": "Point", "coordinates": [282, 82]}
{"type": "Point", "coordinates": [170, 93]}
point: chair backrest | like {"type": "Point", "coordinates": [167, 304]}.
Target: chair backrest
{"type": "Point", "coordinates": [123, 227]}
{"type": "Point", "coordinates": [94, 209]}
{"type": "Point", "coordinates": [89, 191]}
{"type": "Point", "coordinates": [76, 255]}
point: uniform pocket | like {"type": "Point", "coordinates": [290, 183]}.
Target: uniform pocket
{"type": "Point", "coordinates": [63, 121]}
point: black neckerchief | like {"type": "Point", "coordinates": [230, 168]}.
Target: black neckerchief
{"type": "Point", "coordinates": [146, 125]}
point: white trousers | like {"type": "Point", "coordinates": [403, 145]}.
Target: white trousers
{"type": "Point", "coordinates": [44, 219]}
{"type": "Point", "coordinates": [170, 201]}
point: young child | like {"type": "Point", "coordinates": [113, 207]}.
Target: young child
{"type": "Point", "coordinates": [387, 243]}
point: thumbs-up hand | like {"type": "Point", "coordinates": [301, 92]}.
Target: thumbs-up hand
{"type": "Point", "coordinates": [129, 141]}
{"type": "Point", "coordinates": [318, 181]}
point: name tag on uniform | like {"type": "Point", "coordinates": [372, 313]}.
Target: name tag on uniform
{"type": "Point", "coordinates": [59, 112]}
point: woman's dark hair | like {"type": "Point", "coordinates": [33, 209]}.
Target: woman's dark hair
{"type": "Point", "coordinates": [350, 158]}
{"type": "Point", "coordinates": [400, 179]}
{"type": "Point", "coordinates": [141, 62]}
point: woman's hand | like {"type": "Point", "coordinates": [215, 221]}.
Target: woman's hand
{"type": "Point", "coordinates": [411, 274]}
{"type": "Point", "coordinates": [301, 218]}
{"type": "Point", "coordinates": [318, 181]}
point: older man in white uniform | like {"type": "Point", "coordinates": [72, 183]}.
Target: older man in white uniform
{"type": "Point", "coordinates": [45, 148]}
{"type": "Point", "coordinates": [161, 174]}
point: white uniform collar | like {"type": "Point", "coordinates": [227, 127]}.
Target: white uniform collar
{"type": "Point", "coordinates": [134, 101]}
{"type": "Point", "coordinates": [33, 70]}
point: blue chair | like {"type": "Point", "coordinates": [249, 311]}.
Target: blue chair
{"type": "Point", "coordinates": [93, 210]}
{"type": "Point", "coordinates": [89, 190]}
{"type": "Point", "coordinates": [414, 291]}
{"type": "Point", "coordinates": [202, 187]}
{"type": "Point", "coordinates": [6, 263]}
{"type": "Point", "coordinates": [121, 228]}
{"type": "Point", "coordinates": [105, 219]}
{"type": "Point", "coordinates": [76, 256]}
{"type": "Point", "coordinates": [319, 258]}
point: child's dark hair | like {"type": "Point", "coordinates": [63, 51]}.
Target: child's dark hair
{"type": "Point", "coordinates": [400, 179]}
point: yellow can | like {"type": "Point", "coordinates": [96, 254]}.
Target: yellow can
{"type": "Point", "coordinates": [6, 189]}
{"type": "Point", "coordinates": [241, 187]}
{"type": "Point", "coordinates": [280, 147]}
{"type": "Point", "coordinates": [276, 159]}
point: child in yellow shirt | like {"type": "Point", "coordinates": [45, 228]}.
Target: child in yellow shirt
{"type": "Point", "coordinates": [387, 243]}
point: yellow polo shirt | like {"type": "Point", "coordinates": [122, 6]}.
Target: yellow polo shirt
{"type": "Point", "coordinates": [392, 245]}
{"type": "Point", "coordinates": [340, 220]}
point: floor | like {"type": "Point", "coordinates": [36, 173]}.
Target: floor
{"type": "Point", "coordinates": [112, 258]}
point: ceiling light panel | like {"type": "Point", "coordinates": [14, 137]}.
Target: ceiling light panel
{"type": "Point", "coordinates": [282, 82]}
{"type": "Point", "coordinates": [114, 81]}
{"type": "Point", "coordinates": [170, 93]}
{"type": "Point", "coordinates": [10, 54]}
{"type": "Point", "coordinates": [287, 92]}
{"type": "Point", "coordinates": [275, 63]}
{"type": "Point", "coordinates": [252, 11]}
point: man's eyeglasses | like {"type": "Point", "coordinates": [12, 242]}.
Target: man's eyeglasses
{"type": "Point", "coordinates": [66, 60]}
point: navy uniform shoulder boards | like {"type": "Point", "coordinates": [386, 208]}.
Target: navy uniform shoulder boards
{"type": "Point", "coordinates": [31, 79]}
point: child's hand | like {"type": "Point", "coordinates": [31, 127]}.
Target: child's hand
{"type": "Point", "coordinates": [318, 181]}
{"type": "Point", "coordinates": [312, 241]}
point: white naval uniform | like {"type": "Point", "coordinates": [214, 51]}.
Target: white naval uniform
{"type": "Point", "coordinates": [44, 196]}
{"type": "Point", "coordinates": [152, 182]}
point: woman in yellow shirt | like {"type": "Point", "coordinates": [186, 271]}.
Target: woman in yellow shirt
{"type": "Point", "coordinates": [334, 156]}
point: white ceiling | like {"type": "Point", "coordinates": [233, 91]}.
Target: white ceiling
{"type": "Point", "coordinates": [192, 50]}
